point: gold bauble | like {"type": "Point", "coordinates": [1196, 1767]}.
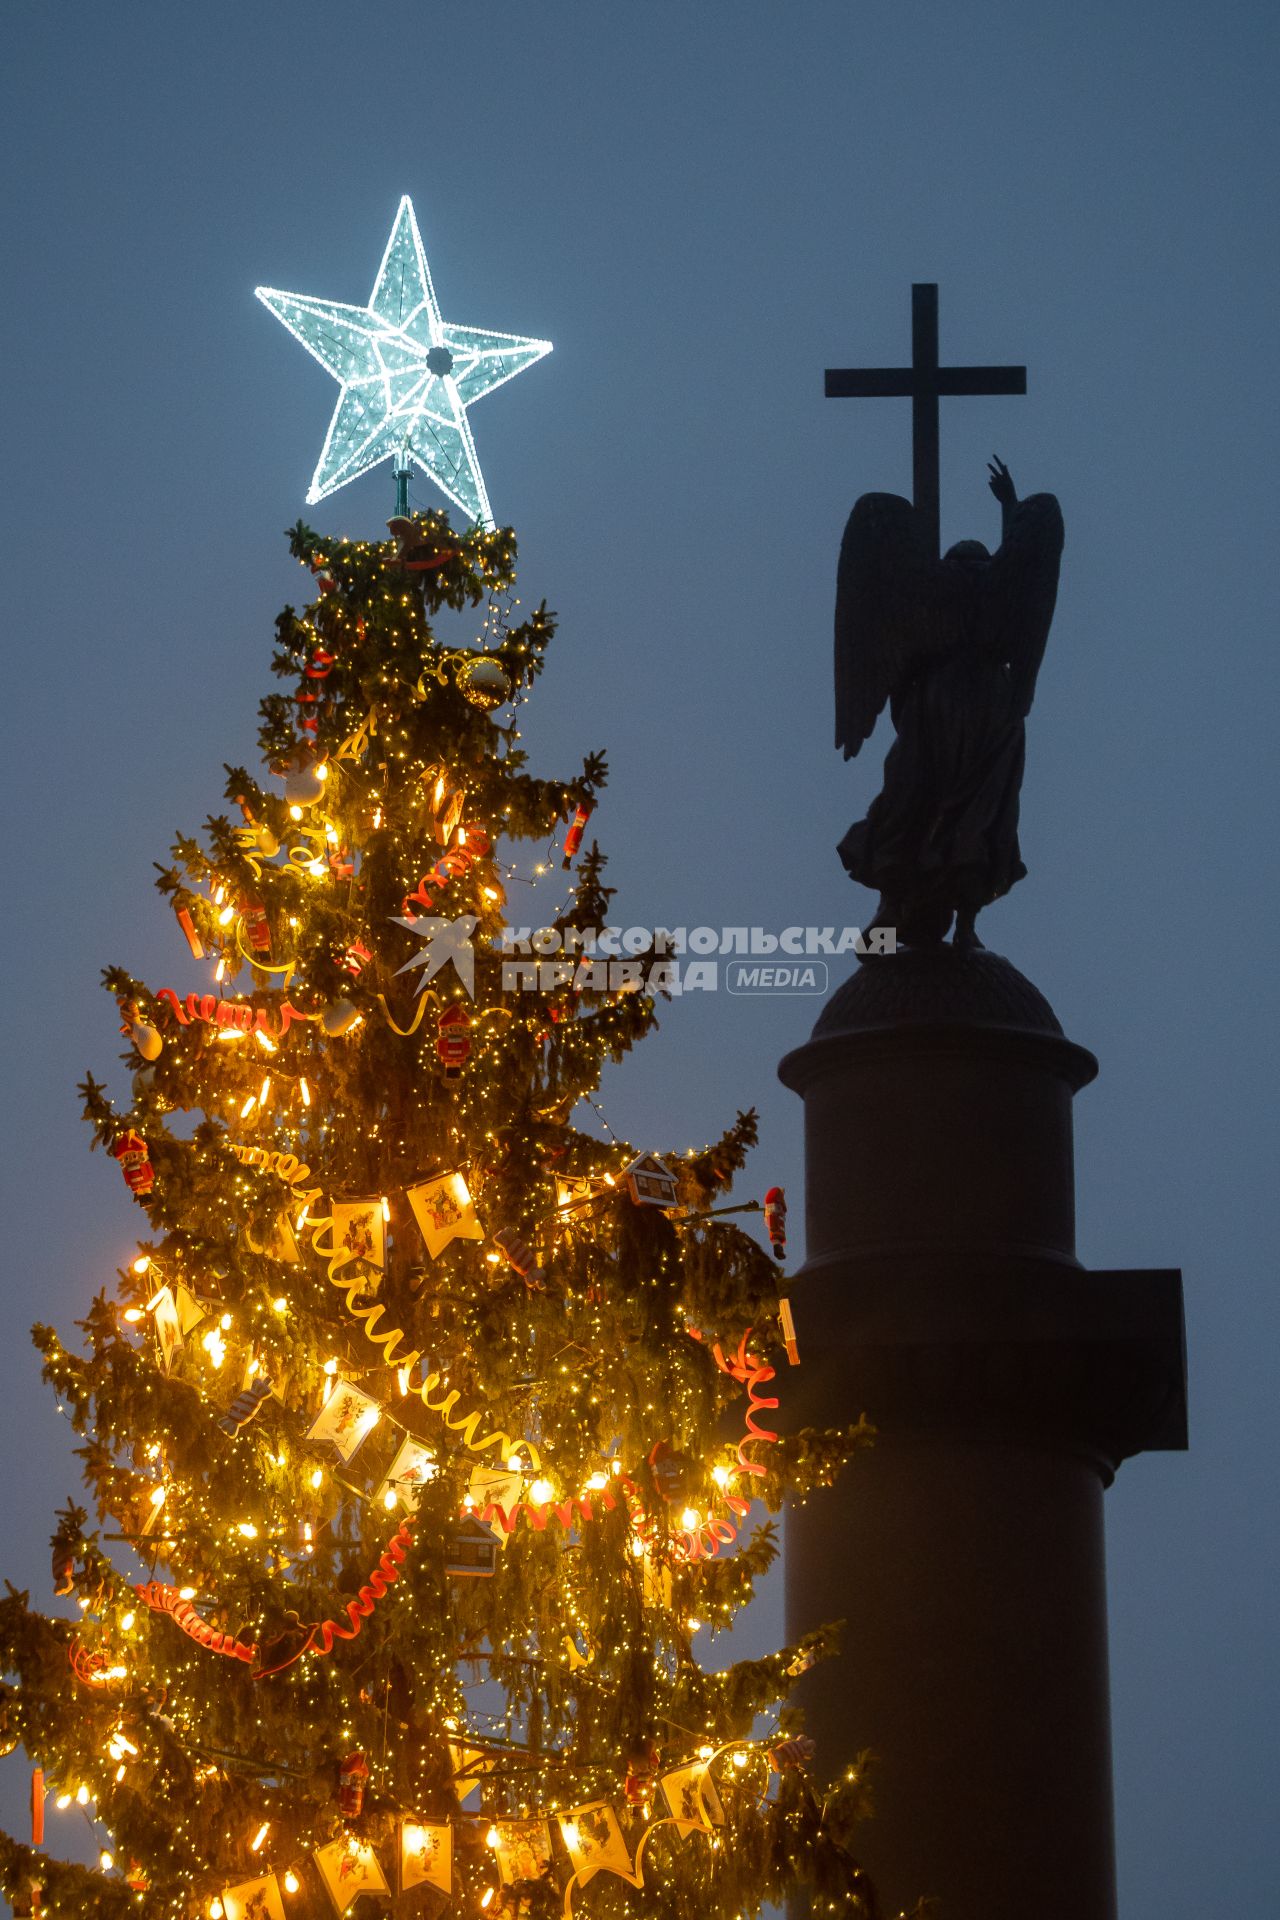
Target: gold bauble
{"type": "Point", "coordinates": [483, 682]}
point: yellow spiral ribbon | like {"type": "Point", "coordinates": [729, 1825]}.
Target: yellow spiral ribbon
{"type": "Point", "coordinates": [468, 1425]}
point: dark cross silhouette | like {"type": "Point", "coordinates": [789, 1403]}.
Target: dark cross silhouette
{"type": "Point", "coordinates": [924, 380]}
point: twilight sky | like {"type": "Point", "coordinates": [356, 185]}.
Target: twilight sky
{"type": "Point", "coordinates": [702, 205]}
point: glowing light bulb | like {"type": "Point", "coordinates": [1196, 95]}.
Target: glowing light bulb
{"type": "Point", "coordinates": [186, 1593]}
{"type": "Point", "coordinates": [255, 1845]}
{"type": "Point", "coordinates": [106, 1860]}
{"type": "Point", "coordinates": [127, 1620]}
{"type": "Point", "coordinates": [291, 1882]}
{"type": "Point", "coordinates": [227, 915]}
{"type": "Point", "coordinates": [389, 1498]}
{"type": "Point", "coordinates": [691, 1519]}
{"type": "Point", "coordinates": [541, 1492]}
{"type": "Point", "coordinates": [317, 1478]}
{"type": "Point", "coordinates": [157, 1497]}
{"type": "Point", "coordinates": [140, 1265]}
{"type": "Point", "coordinates": [82, 1796]}
{"type": "Point", "coordinates": [721, 1476]}
{"type": "Point", "coordinates": [280, 1304]}
{"type": "Point", "coordinates": [305, 1091]}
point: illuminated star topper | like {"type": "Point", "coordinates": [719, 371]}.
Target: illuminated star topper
{"type": "Point", "coordinates": [408, 377]}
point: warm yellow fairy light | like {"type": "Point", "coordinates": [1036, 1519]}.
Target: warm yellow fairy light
{"type": "Point", "coordinates": [541, 1492]}
{"type": "Point", "coordinates": [264, 1093]}
{"type": "Point", "coordinates": [215, 1908]}
{"type": "Point", "coordinates": [386, 1209]}
{"type": "Point", "coordinates": [305, 1091]}
{"type": "Point", "coordinates": [706, 1753]}
{"type": "Point", "coordinates": [492, 1838]}
{"type": "Point", "coordinates": [248, 1107]}
{"type": "Point", "coordinates": [141, 1264]}
{"type": "Point", "coordinates": [721, 1476]}
{"type": "Point", "coordinates": [220, 971]}
{"type": "Point", "coordinates": [280, 1304]}
{"type": "Point", "coordinates": [62, 1802]}
{"type": "Point", "coordinates": [368, 1420]}
{"type": "Point", "coordinates": [295, 813]}
{"type": "Point", "coordinates": [247, 1529]}
{"type": "Point", "coordinates": [486, 1898]}
{"type": "Point", "coordinates": [317, 1478]}
{"type": "Point", "coordinates": [515, 1463]}
{"type": "Point", "coordinates": [186, 1593]}
{"type": "Point", "coordinates": [316, 868]}
{"type": "Point", "coordinates": [598, 1481]}
{"type": "Point", "coordinates": [389, 1498]}
{"type": "Point", "coordinates": [127, 1620]}
{"type": "Point", "coordinates": [265, 1041]}
{"type": "Point", "coordinates": [106, 1860]}
{"type": "Point", "coordinates": [402, 1380]}
{"type": "Point", "coordinates": [227, 915]}
{"type": "Point", "coordinates": [569, 1828]}
{"type": "Point", "coordinates": [82, 1796]}
{"type": "Point", "coordinates": [740, 1759]}
{"type": "Point", "coordinates": [157, 1497]}
{"type": "Point", "coordinates": [255, 1845]}
{"type": "Point", "coordinates": [291, 1881]}
{"type": "Point", "coordinates": [695, 1626]}
{"type": "Point", "coordinates": [133, 1313]}
{"type": "Point", "coordinates": [225, 1322]}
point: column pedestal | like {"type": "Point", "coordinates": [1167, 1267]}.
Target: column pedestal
{"type": "Point", "coordinates": [941, 1296]}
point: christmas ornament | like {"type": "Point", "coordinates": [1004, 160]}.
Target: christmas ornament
{"type": "Point", "coordinates": [37, 1806]}
{"type": "Point", "coordinates": [63, 1566]}
{"type": "Point", "coordinates": [354, 959]}
{"type": "Point", "coordinates": [246, 1405]}
{"type": "Point", "coordinates": [775, 1220]}
{"type": "Point", "coordinates": [788, 1326]}
{"type": "Point", "coordinates": [650, 1182]}
{"type": "Point", "coordinates": [256, 925]}
{"type": "Point", "coordinates": [146, 1040]}
{"type": "Point", "coordinates": [446, 801]}
{"type": "Point", "coordinates": [577, 827]}
{"type": "Point", "coordinates": [417, 551]}
{"type": "Point", "coordinates": [304, 780]}
{"type": "Point", "coordinates": [167, 1323]}
{"type": "Point", "coordinates": [188, 926]}
{"type": "Point", "coordinates": [339, 1017]}
{"type": "Point", "coordinates": [482, 681]}
{"type": "Point", "coordinates": [471, 1551]}
{"type": "Point", "coordinates": [444, 1211]}
{"type": "Point", "coordinates": [671, 1472]}
{"type": "Point", "coordinates": [408, 376]}
{"type": "Point", "coordinates": [453, 1039]}
{"type": "Point", "coordinates": [642, 1770]}
{"type": "Point", "coordinates": [135, 1163]}
{"type": "Point", "coordinates": [353, 1775]}
{"type": "Point", "coordinates": [519, 1255]}
{"type": "Point", "coordinates": [473, 845]}
{"type": "Point", "coordinates": [793, 1754]}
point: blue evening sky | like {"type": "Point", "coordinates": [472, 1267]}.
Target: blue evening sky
{"type": "Point", "coordinates": [702, 205]}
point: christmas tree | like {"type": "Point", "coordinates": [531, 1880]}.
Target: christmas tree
{"type": "Point", "coordinates": [420, 1438]}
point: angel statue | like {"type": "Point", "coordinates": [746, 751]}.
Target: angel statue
{"type": "Point", "coordinates": [954, 647]}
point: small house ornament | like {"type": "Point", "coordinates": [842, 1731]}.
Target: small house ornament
{"type": "Point", "coordinates": [471, 1552]}
{"type": "Point", "coordinates": [650, 1182]}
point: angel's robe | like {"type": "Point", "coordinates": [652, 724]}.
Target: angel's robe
{"type": "Point", "coordinates": [943, 831]}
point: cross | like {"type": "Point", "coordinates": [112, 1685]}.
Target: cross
{"type": "Point", "coordinates": [924, 380]}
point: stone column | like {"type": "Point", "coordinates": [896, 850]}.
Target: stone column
{"type": "Point", "coordinates": [941, 1296]}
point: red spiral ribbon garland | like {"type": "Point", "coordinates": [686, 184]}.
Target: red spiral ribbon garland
{"type": "Point", "coordinates": [325, 1632]}
{"type": "Point", "coordinates": [168, 1600]}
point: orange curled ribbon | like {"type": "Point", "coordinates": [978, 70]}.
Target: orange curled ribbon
{"type": "Point", "coordinates": [325, 1632]}
{"type": "Point", "coordinates": [233, 1015]}
{"type": "Point", "coordinates": [168, 1600]}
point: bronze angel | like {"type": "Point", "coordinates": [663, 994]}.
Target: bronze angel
{"type": "Point", "coordinates": [954, 646]}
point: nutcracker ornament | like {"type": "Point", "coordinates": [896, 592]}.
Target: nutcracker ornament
{"type": "Point", "coordinates": [775, 1220]}
{"type": "Point", "coordinates": [353, 1774]}
{"type": "Point", "coordinates": [643, 1762]}
{"type": "Point", "coordinates": [132, 1152]}
{"type": "Point", "coordinates": [519, 1255]}
{"type": "Point", "coordinates": [256, 925]}
{"type": "Point", "coordinates": [453, 1039]}
{"type": "Point", "coordinates": [577, 827]}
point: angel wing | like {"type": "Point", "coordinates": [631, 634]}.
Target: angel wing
{"type": "Point", "coordinates": [1021, 589]}
{"type": "Point", "coordinates": [889, 611]}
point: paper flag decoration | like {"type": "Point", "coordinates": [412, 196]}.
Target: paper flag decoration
{"type": "Point", "coordinates": [522, 1849]}
{"type": "Point", "coordinates": [359, 1226]}
{"type": "Point", "coordinates": [409, 1472]}
{"type": "Point", "coordinates": [595, 1843]}
{"type": "Point", "coordinates": [254, 1900]}
{"type": "Point", "coordinates": [691, 1798]}
{"type": "Point", "coordinates": [190, 1312]}
{"type": "Point", "coordinates": [426, 1856]}
{"type": "Point", "coordinates": [168, 1326]}
{"type": "Point", "coordinates": [468, 1764]}
{"type": "Point", "coordinates": [344, 1419]}
{"type": "Point", "coordinates": [444, 1211]}
{"type": "Point", "coordinates": [349, 1867]}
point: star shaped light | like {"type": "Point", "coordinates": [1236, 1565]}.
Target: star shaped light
{"type": "Point", "coordinates": [408, 377]}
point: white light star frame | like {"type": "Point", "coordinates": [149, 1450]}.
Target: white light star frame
{"type": "Point", "coordinates": [408, 377]}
